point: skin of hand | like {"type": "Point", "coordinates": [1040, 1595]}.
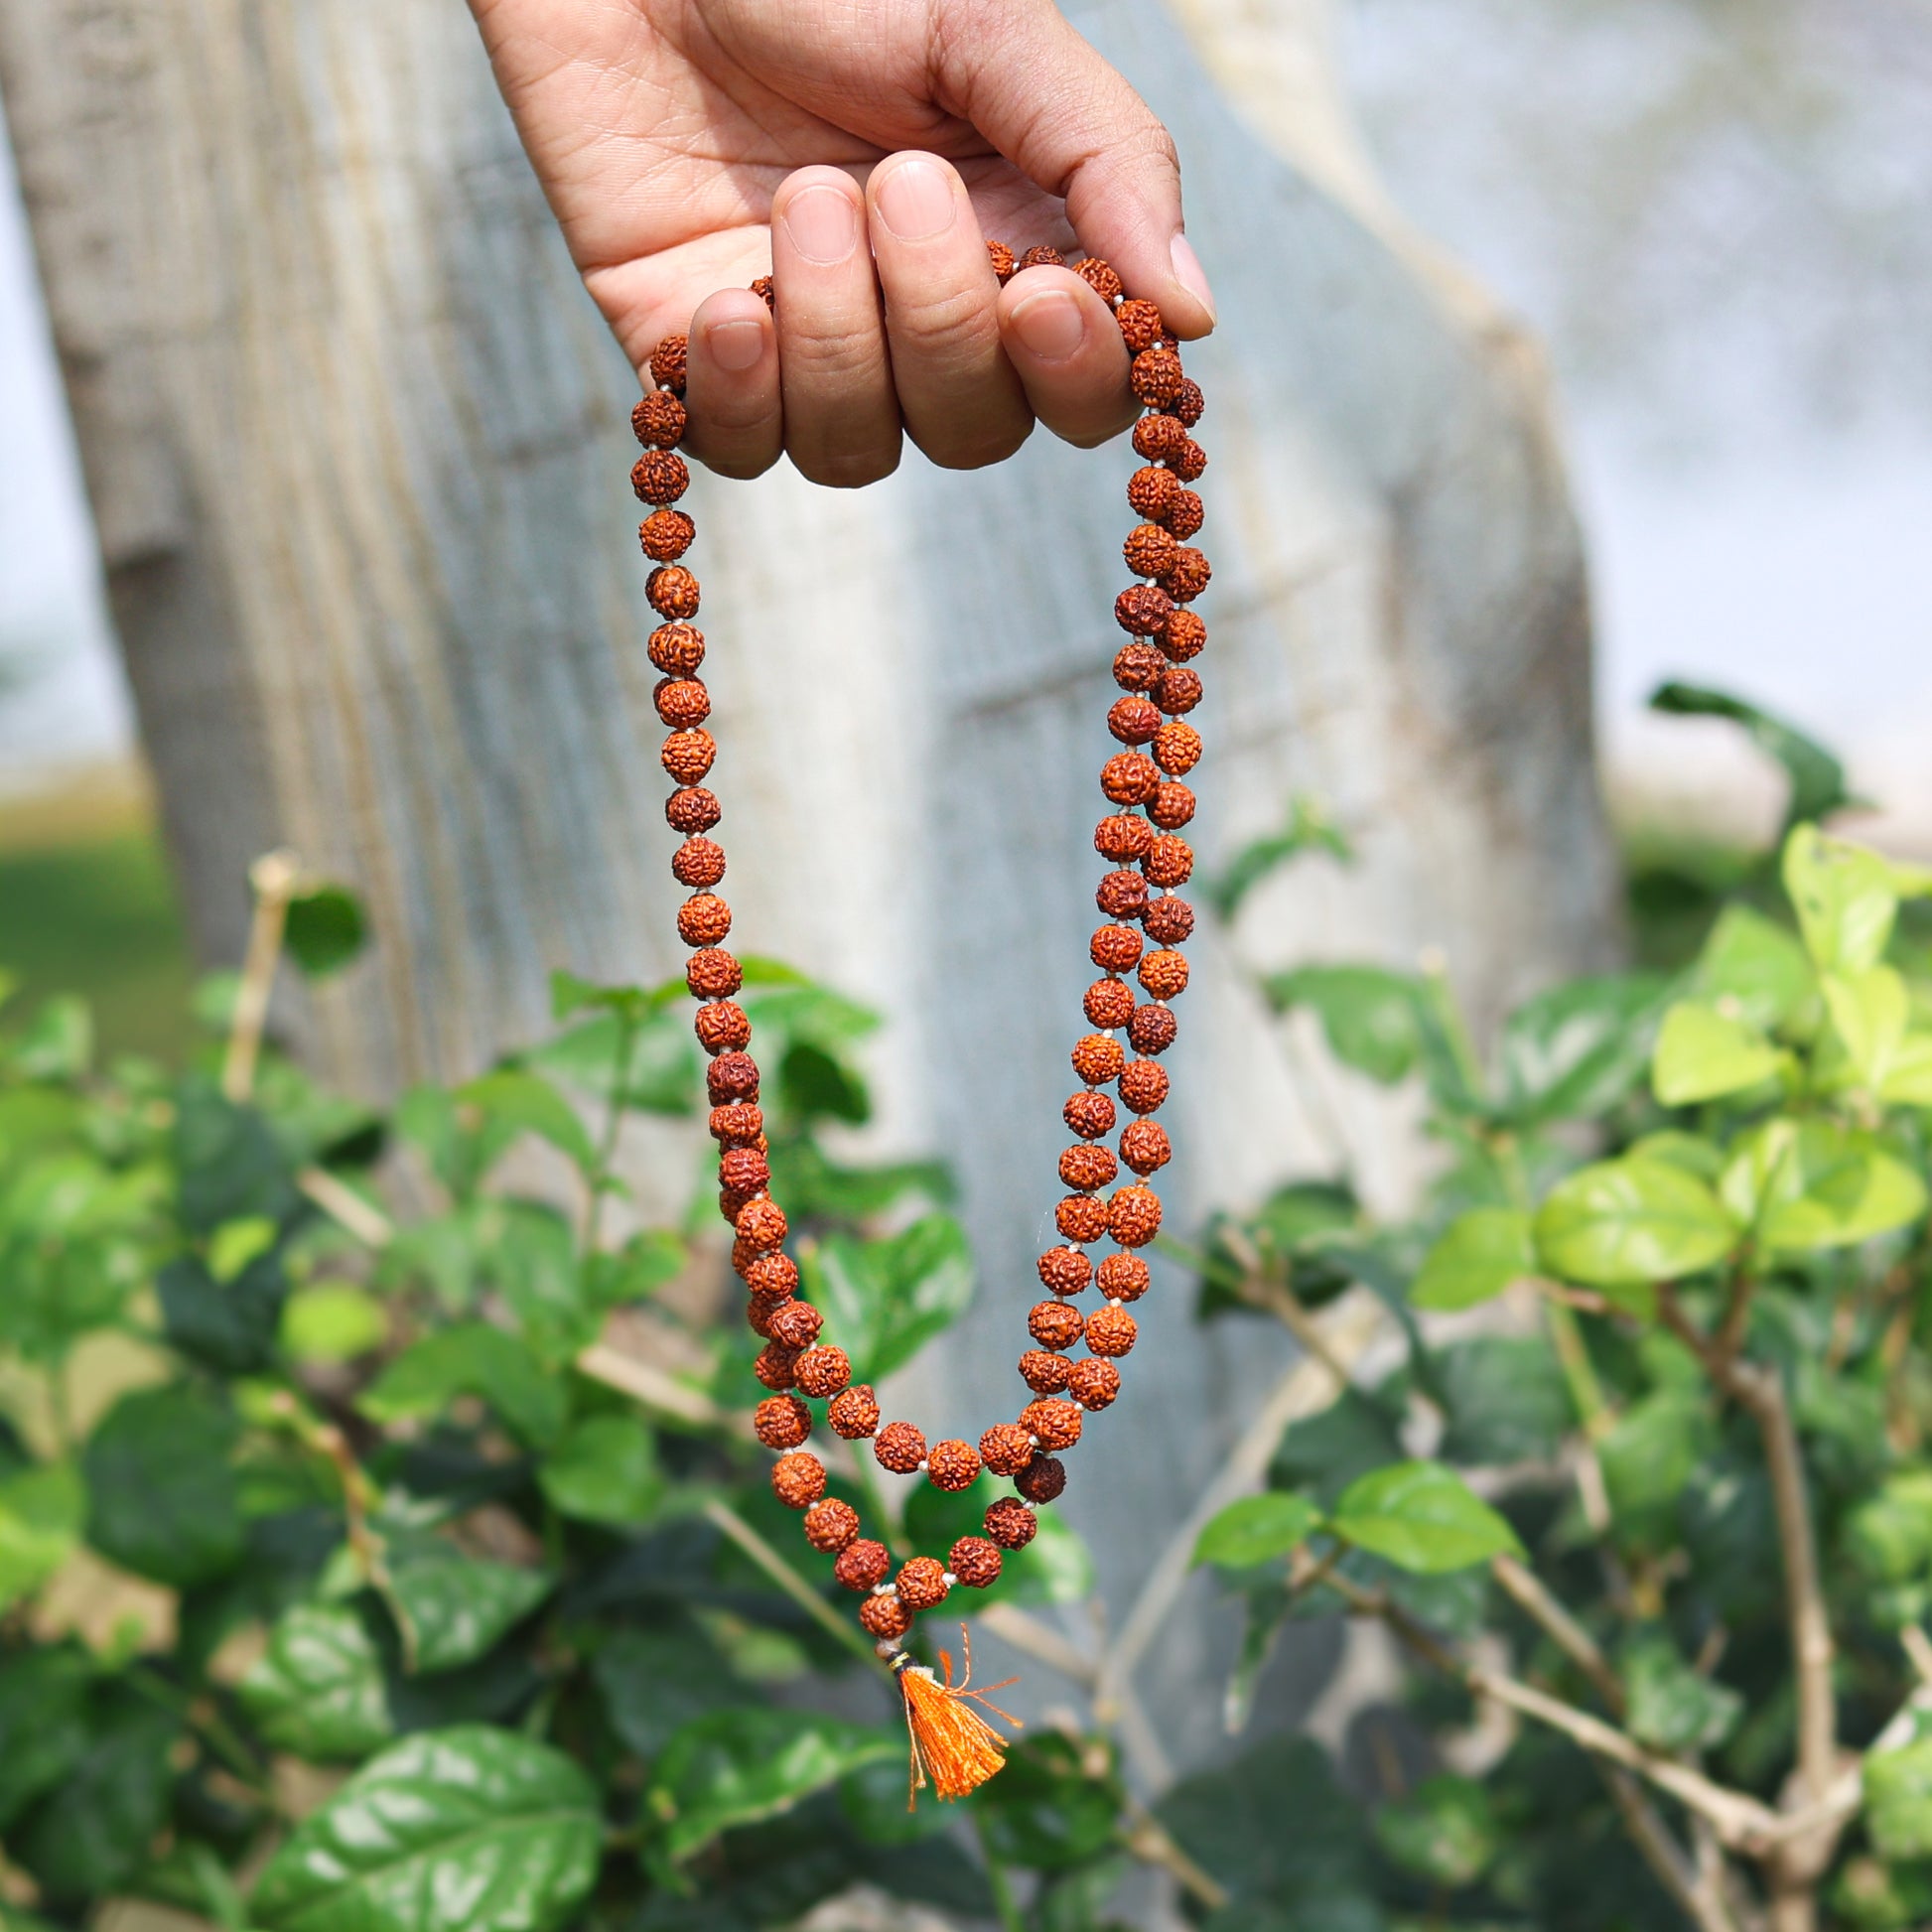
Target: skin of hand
{"type": "Point", "coordinates": [859, 152]}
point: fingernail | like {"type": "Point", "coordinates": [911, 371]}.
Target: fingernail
{"type": "Point", "coordinates": [823, 224]}
{"type": "Point", "coordinates": [1189, 273]}
{"type": "Point", "coordinates": [1049, 325]}
{"type": "Point", "coordinates": [915, 201]}
{"type": "Point", "coordinates": [735, 345]}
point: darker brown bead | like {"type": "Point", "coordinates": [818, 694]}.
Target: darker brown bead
{"type": "Point", "coordinates": [952, 1465]}
{"type": "Point", "coordinates": [1188, 461]}
{"type": "Point", "coordinates": [1148, 550]}
{"type": "Point", "coordinates": [683, 702]}
{"type": "Point", "coordinates": [1093, 1384]}
{"type": "Point", "coordinates": [1186, 576]}
{"type": "Point", "coordinates": [748, 1171]}
{"type": "Point", "coordinates": [1151, 1030]}
{"type": "Point", "coordinates": [831, 1525]}
{"type": "Point", "coordinates": [665, 535]}
{"type": "Point", "coordinates": [1114, 949]}
{"type": "Point", "coordinates": [1133, 1219]}
{"type": "Point", "coordinates": [1087, 1167]}
{"type": "Point", "coordinates": [659, 476]}
{"type": "Point", "coordinates": [703, 921]}
{"type": "Point", "coordinates": [1090, 1115]}
{"type": "Point", "coordinates": [697, 862]}
{"type": "Point", "coordinates": [1001, 257]}
{"type": "Point", "coordinates": [713, 974]}
{"type": "Point", "coordinates": [1177, 748]}
{"type": "Point", "coordinates": [1111, 1330]}
{"type": "Point", "coordinates": [1097, 1059]}
{"type": "Point", "coordinates": [1184, 515]}
{"type": "Point", "coordinates": [1100, 278]}
{"type": "Point", "coordinates": [668, 363]}
{"type": "Point", "coordinates": [1042, 1372]}
{"type": "Point", "coordinates": [900, 1447]}
{"type": "Point", "coordinates": [672, 590]}
{"type": "Point", "coordinates": [763, 1223]}
{"type": "Point", "coordinates": [677, 649]}
{"type": "Point", "coordinates": [863, 1565]}
{"type": "Point", "coordinates": [1144, 1146]}
{"type": "Point", "coordinates": [737, 1123]}
{"type": "Point", "coordinates": [775, 1365]}
{"type": "Point", "coordinates": [782, 1421]}
{"type": "Point", "coordinates": [1042, 257]}
{"type": "Point", "coordinates": [1151, 491]}
{"type": "Point", "coordinates": [1066, 1271]}
{"type": "Point", "coordinates": [1042, 1478]}
{"type": "Point", "coordinates": [1138, 667]}
{"type": "Point", "coordinates": [1009, 1523]}
{"type": "Point", "coordinates": [722, 1028]}
{"type": "Point", "coordinates": [774, 1278]}
{"type": "Point", "coordinates": [1005, 1449]}
{"type": "Point", "coordinates": [1140, 325]}
{"type": "Point", "coordinates": [1178, 691]}
{"type": "Point", "coordinates": [1184, 637]}
{"type": "Point", "coordinates": [687, 755]}
{"type": "Point", "coordinates": [1191, 405]}
{"type": "Point", "coordinates": [1171, 806]}
{"type": "Point", "coordinates": [1109, 1004]}
{"type": "Point", "coordinates": [732, 1201]}
{"type": "Point", "coordinates": [1056, 1425]}
{"type": "Point", "coordinates": [657, 421]}
{"type": "Point", "coordinates": [921, 1584]}
{"type": "Point", "coordinates": [974, 1562]}
{"type": "Point", "coordinates": [767, 291]}
{"type": "Point", "coordinates": [854, 1412]}
{"type": "Point", "coordinates": [824, 1370]}
{"type": "Point", "coordinates": [885, 1617]}
{"type": "Point", "coordinates": [1079, 1217]}
{"type": "Point", "coordinates": [1122, 837]}
{"type": "Point", "coordinates": [1132, 719]}
{"type": "Point", "coordinates": [1053, 1324]}
{"type": "Point", "coordinates": [692, 810]}
{"type": "Point", "coordinates": [1143, 1085]}
{"type": "Point", "coordinates": [1169, 861]}
{"type": "Point", "coordinates": [1157, 377]}
{"type": "Point", "coordinates": [730, 1077]}
{"type": "Point", "coordinates": [1158, 439]}
{"type": "Point", "coordinates": [1142, 609]}
{"type": "Point", "coordinates": [1129, 777]}
{"type": "Point", "coordinates": [798, 1479]}
{"type": "Point", "coordinates": [1164, 974]}
{"type": "Point", "coordinates": [1124, 1278]}
{"type": "Point", "coordinates": [757, 1315]}
{"type": "Point", "coordinates": [1170, 921]}
{"type": "Point", "coordinates": [1121, 895]}
{"type": "Point", "coordinates": [796, 1324]}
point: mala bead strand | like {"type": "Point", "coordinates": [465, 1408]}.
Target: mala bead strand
{"type": "Point", "coordinates": [1129, 1010]}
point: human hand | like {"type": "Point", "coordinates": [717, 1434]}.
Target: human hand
{"type": "Point", "coordinates": [860, 152]}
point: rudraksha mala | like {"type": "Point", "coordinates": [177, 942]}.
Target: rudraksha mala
{"type": "Point", "coordinates": [1145, 924]}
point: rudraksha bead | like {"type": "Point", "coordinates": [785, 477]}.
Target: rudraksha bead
{"type": "Point", "coordinates": [1165, 973]}
{"type": "Point", "coordinates": [672, 590]}
{"type": "Point", "coordinates": [1097, 1059]}
{"type": "Point", "coordinates": [1129, 777]}
{"type": "Point", "coordinates": [1090, 1115]}
{"type": "Point", "coordinates": [1143, 1085]}
{"type": "Point", "coordinates": [974, 1562]}
{"type": "Point", "coordinates": [1115, 948]}
{"type": "Point", "coordinates": [796, 1325]}
{"type": "Point", "coordinates": [763, 1223]}
{"type": "Point", "coordinates": [1150, 489]}
{"type": "Point", "coordinates": [703, 920]}
{"type": "Point", "coordinates": [692, 811]}
{"type": "Point", "coordinates": [798, 1479]}
{"type": "Point", "coordinates": [677, 649]}
{"type": "Point", "coordinates": [1177, 748]}
{"type": "Point", "coordinates": [1178, 691]}
{"type": "Point", "coordinates": [952, 1464]}
{"type": "Point", "coordinates": [683, 702]}
{"type": "Point", "coordinates": [657, 421]}
{"type": "Point", "coordinates": [1100, 278]}
{"type": "Point", "coordinates": [1043, 1373]}
{"type": "Point", "coordinates": [1053, 1324]}
{"type": "Point", "coordinates": [698, 862]}
{"type": "Point", "coordinates": [900, 1447]}
{"type": "Point", "coordinates": [1134, 719]}
{"type": "Point", "coordinates": [854, 1412]}
{"type": "Point", "coordinates": [1124, 1278]}
{"type": "Point", "coordinates": [773, 1276]}
{"type": "Point", "coordinates": [665, 535]}
{"type": "Point", "coordinates": [1108, 1004]}
{"type": "Point", "coordinates": [1087, 1167]}
{"type": "Point", "coordinates": [1184, 515]}
{"type": "Point", "coordinates": [757, 1315]}
{"type": "Point", "coordinates": [687, 755]}
{"type": "Point", "coordinates": [668, 363]}
{"type": "Point", "coordinates": [1171, 806]}
{"type": "Point", "coordinates": [1053, 1424]}
{"type": "Point", "coordinates": [713, 974]}
{"type": "Point", "coordinates": [1186, 576]}
{"type": "Point", "coordinates": [921, 1584]}
{"type": "Point", "coordinates": [732, 1201]}
{"type": "Point", "coordinates": [824, 1370]}
{"type": "Point", "coordinates": [1111, 1330]}
{"type": "Point", "coordinates": [1158, 439]}
{"type": "Point", "coordinates": [1138, 667]}
{"type": "Point", "coordinates": [1122, 836]}
{"type": "Point", "coordinates": [1093, 1384]}
{"type": "Point", "coordinates": [1005, 1449]}
{"type": "Point", "coordinates": [1121, 895]}
{"type": "Point", "coordinates": [1191, 405]}
{"type": "Point", "coordinates": [1066, 1271]}
{"type": "Point", "coordinates": [767, 291]}
{"type": "Point", "coordinates": [1170, 921]}
{"type": "Point", "coordinates": [732, 1076]}
{"type": "Point", "coordinates": [1009, 1523]}
{"type": "Point", "coordinates": [1001, 258]}
{"type": "Point", "coordinates": [1144, 1146]}
{"type": "Point", "coordinates": [1156, 377]}
{"type": "Point", "coordinates": [1042, 257]}
{"type": "Point", "coordinates": [775, 1365]}
{"type": "Point", "coordinates": [782, 1422]}
{"type": "Point", "coordinates": [746, 1169]}
{"type": "Point", "coordinates": [1142, 609]}
{"type": "Point", "coordinates": [1151, 1029]}
{"type": "Point", "coordinates": [661, 476]}
{"type": "Point", "coordinates": [863, 1565]}
{"type": "Point", "coordinates": [737, 1123]}
{"type": "Point", "coordinates": [831, 1525]}
{"type": "Point", "coordinates": [1148, 550]}
{"type": "Point", "coordinates": [1186, 636]}
{"type": "Point", "coordinates": [1140, 325]}
{"type": "Point", "coordinates": [1042, 1478]}
{"type": "Point", "coordinates": [1188, 461]}
{"type": "Point", "coordinates": [1080, 1217]}
{"type": "Point", "coordinates": [1169, 861]}
{"type": "Point", "coordinates": [885, 1617]}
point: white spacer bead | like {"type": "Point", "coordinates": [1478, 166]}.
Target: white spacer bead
{"type": "Point", "coordinates": [950, 1580]}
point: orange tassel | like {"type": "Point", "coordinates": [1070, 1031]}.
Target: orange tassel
{"type": "Point", "coordinates": [956, 1744]}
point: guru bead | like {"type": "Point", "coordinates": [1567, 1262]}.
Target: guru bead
{"type": "Point", "coordinates": [854, 1413]}
{"type": "Point", "coordinates": [657, 421]}
{"type": "Point", "coordinates": [824, 1370]}
{"type": "Point", "coordinates": [1005, 1449]}
{"type": "Point", "coordinates": [1065, 1270]}
{"type": "Point", "coordinates": [1053, 1324]}
{"type": "Point", "coordinates": [1044, 1477]}
{"type": "Point", "coordinates": [1111, 1330]}
{"type": "Point", "coordinates": [1143, 1145]}
{"type": "Point", "coordinates": [974, 1562]}
{"type": "Point", "coordinates": [885, 1617]}
{"type": "Point", "coordinates": [1124, 1278]}
{"type": "Point", "coordinates": [782, 1422]}
{"type": "Point", "coordinates": [952, 1465]}
{"type": "Point", "coordinates": [1009, 1523]}
{"type": "Point", "coordinates": [900, 1447]}
{"type": "Point", "coordinates": [703, 920]}
{"type": "Point", "coordinates": [831, 1525]}
{"type": "Point", "coordinates": [1108, 1004]}
{"type": "Point", "coordinates": [677, 649]}
{"type": "Point", "coordinates": [1093, 1384]}
{"type": "Point", "coordinates": [1043, 1373]}
{"type": "Point", "coordinates": [863, 1565]}
{"type": "Point", "coordinates": [1053, 1424]}
{"type": "Point", "coordinates": [798, 1479]}
{"type": "Point", "coordinates": [921, 1584]}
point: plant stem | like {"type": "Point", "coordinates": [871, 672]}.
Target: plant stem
{"type": "Point", "coordinates": [726, 1518]}
{"type": "Point", "coordinates": [273, 877]}
{"type": "Point", "coordinates": [1000, 1886]}
{"type": "Point", "coordinates": [210, 1724]}
{"type": "Point", "coordinates": [1152, 1843]}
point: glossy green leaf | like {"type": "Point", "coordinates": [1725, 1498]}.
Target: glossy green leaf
{"type": "Point", "coordinates": [1444, 1832]}
{"type": "Point", "coordinates": [1629, 1223]}
{"type": "Point", "coordinates": [43, 1513]}
{"type": "Point", "coordinates": [1811, 1184]}
{"type": "Point", "coordinates": [1474, 1259]}
{"type": "Point", "coordinates": [1845, 896]}
{"type": "Point", "coordinates": [511, 1098]}
{"type": "Point", "coordinates": [1420, 1516]}
{"type": "Point", "coordinates": [43, 1722]}
{"type": "Point", "coordinates": [325, 929]}
{"type": "Point", "coordinates": [1255, 1529]}
{"type": "Point", "coordinates": [161, 1491]}
{"type": "Point", "coordinates": [1889, 1533]}
{"type": "Point", "coordinates": [1898, 1800]}
{"type": "Point", "coordinates": [1691, 1152]}
{"type": "Point", "coordinates": [1369, 1015]}
{"type": "Point", "coordinates": [464, 1829]}
{"type": "Point", "coordinates": [1816, 777]}
{"type": "Point", "coordinates": [604, 1472]}
{"type": "Point", "coordinates": [1673, 1708]}
{"type": "Point", "coordinates": [1574, 1051]}
{"type": "Point", "coordinates": [1648, 1458]}
{"type": "Point", "coordinates": [1702, 1054]}
{"type": "Point", "coordinates": [234, 1244]}
{"type": "Point", "coordinates": [470, 1358]}
{"type": "Point", "coordinates": [1755, 969]}
{"type": "Point", "coordinates": [1506, 1399]}
{"type": "Point", "coordinates": [333, 1322]}
{"type": "Point", "coordinates": [452, 1608]}
{"type": "Point", "coordinates": [1054, 1807]}
{"type": "Point", "coordinates": [654, 1681]}
{"type": "Point", "coordinates": [316, 1691]}
{"type": "Point", "coordinates": [1869, 1015]}
{"type": "Point", "coordinates": [885, 1299]}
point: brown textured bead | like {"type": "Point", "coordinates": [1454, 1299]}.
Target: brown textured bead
{"type": "Point", "coordinates": [900, 1447]}
{"type": "Point", "coordinates": [863, 1565]}
{"type": "Point", "coordinates": [1053, 1324]}
{"type": "Point", "coordinates": [1097, 1059]}
{"type": "Point", "coordinates": [665, 535]}
{"type": "Point", "coordinates": [713, 974]}
{"type": "Point", "coordinates": [659, 476]}
{"type": "Point", "coordinates": [798, 1479]}
{"type": "Point", "coordinates": [1045, 1476]}
{"type": "Point", "coordinates": [1143, 1085]}
{"type": "Point", "coordinates": [1191, 405]}
{"type": "Point", "coordinates": [732, 1201]}
{"type": "Point", "coordinates": [1066, 1271]}
{"type": "Point", "coordinates": [677, 649]}
{"type": "Point", "coordinates": [1187, 575]}
{"type": "Point", "coordinates": [1124, 1278]}
{"type": "Point", "coordinates": [746, 1169]}
{"type": "Point", "coordinates": [1001, 257]}
{"type": "Point", "coordinates": [831, 1525]}
{"type": "Point", "coordinates": [1171, 806]}
{"type": "Point", "coordinates": [767, 291]}
{"type": "Point", "coordinates": [672, 590]}
{"type": "Point", "coordinates": [1140, 325]}
{"type": "Point", "coordinates": [1122, 837]}
{"type": "Point", "coordinates": [703, 921]}
{"type": "Point", "coordinates": [1184, 637]}
{"type": "Point", "coordinates": [1177, 748]}
{"type": "Point", "coordinates": [1184, 515]}
{"type": "Point", "coordinates": [1151, 1029]}
{"type": "Point", "coordinates": [1142, 609]}
{"type": "Point", "coordinates": [1093, 1384]}
{"type": "Point", "coordinates": [1170, 921]}
{"type": "Point", "coordinates": [1115, 948]}
{"type": "Point", "coordinates": [1111, 1330]}
{"type": "Point", "coordinates": [1056, 1425]}
{"type": "Point", "coordinates": [732, 1076]}
{"type": "Point", "coordinates": [774, 1277]}
{"type": "Point", "coordinates": [722, 1028]}
{"type": "Point", "coordinates": [1042, 257]}
{"type": "Point", "coordinates": [952, 1464]}
{"type": "Point", "coordinates": [1121, 895]}
{"type": "Point", "coordinates": [1090, 1115]}
{"type": "Point", "coordinates": [1108, 1004]}
{"type": "Point", "coordinates": [1157, 377]}
{"type": "Point", "coordinates": [974, 1562]}
{"type": "Point", "coordinates": [824, 1370]}
{"type": "Point", "coordinates": [1043, 1373]}
{"type": "Point", "coordinates": [921, 1584]}
{"type": "Point", "coordinates": [763, 1223]}
{"type": "Point", "coordinates": [757, 1315]}
{"type": "Point", "coordinates": [1080, 1217]}
{"type": "Point", "coordinates": [1149, 490]}
{"type": "Point", "coordinates": [1009, 1523]}
{"type": "Point", "coordinates": [1138, 667]}
{"type": "Point", "coordinates": [688, 754]}
{"type": "Point", "coordinates": [1100, 278]}
{"type": "Point", "coordinates": [1178, 691]}
{"type": "Point", "coordinates": [1129, 777]}
{"type": "Point", "coordinates": [885, 1617]}
{"type": "Point", "coordinates": [1145, 1145]}
{"type": "Point", "coordinates": [1133, 1219]}
{"type": "Point", "coordinates": [1134, 718]}
{"type": "Point", "coordinates": [797, 1326]}
{"type": "Point", "coordinates": [668, 363]}
{"type": "Point", "coordinates": [1169, 861]}
{"type": "Point", "coordinates": [1148, 550]}
{"type": "Point", "coordinates": [1165, 973]}
{"type": "Point", "coordinates": [1005, 1449]}
{"type": "Point", "coordinates": [1086, 1167]}
{"type": "Point", "coordinates": [775, 1365]}
{"type": "Point", "coordinates": [1158, 439]}
{"type": "Point", "coordinates": [683, 702]}
{"type": "Point", "coordinates": [1188, 461]}
{"type": "Point", "coordinates": [657, 421]}
{"type": "Point", "coordinates": [737, 1123]}
{"type": "Point", "coordinates": [854, 1412]}
{"type": "Point", "coordinates": [782, 1421]}
{"type": "Point", "coordinates": [691, 809]}
{"type": "Point", "coordinates": [698, 862]}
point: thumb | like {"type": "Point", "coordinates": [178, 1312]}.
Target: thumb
{"type": "Point", "coordinates": [1028, 81]}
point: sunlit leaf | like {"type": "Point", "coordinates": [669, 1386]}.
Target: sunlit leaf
{"type": "Point", "coordinates": [1423, 1517]}
{"type": "Point", "coordinates": [1475, 1258]}
{"type": "Point", "coordinates": [1255, 1529]}
{"type": "Point", "coordinates": [1702, 1054]}
{"type": "Point", "coordinates": [1629, 1223]}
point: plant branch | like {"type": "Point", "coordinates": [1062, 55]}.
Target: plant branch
{"type": "Point", "coordinates": [722, 1516]}
{"type": "Point", "coordinates": [273, 879]}
{"type": "Point", "coordinates": [1526, 1590]}
{"type": "Point", "coordinates": [654, 1389]}
{"type": "Point", "coordinates": [344, 1206]}
{"type": "Point", "coordinates": [1700, 1894]}
{"type": "Point", "coordinates": [1153, 1844]}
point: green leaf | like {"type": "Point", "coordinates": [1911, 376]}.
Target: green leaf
{"type": "Point", "coordinates": [654, 1681]}
{"type": "Point", "coordinates": [1673, 1708]}
{"type": "Point", "coordinates": [530, 1252]}
{"type": "Point", "coordinates": [43, 1722]}
{"type": "Point", "coordinates": [1444, 1832]}
{"type": "Point", "coordinates": [1256, 1529]}
{"type": "Point", "coordinates": [1506, 1398]}
{"type": "Point", "coordinates": [1475, 1258]}
{"type": "Point", "coordinates": [234, 1244]}
{"type": "Point", "coordinates": [162, 1495]}
{"type": "Point", "coordinates": [58, 1043]}
{"type": "Point", "coordinates": [470, 1358]}
{"type": "Point", "coordinates": [1898, 1800]}
{"type": "Point", "coordinates": [1702, 1054]}
{"type": "Point", "coordinates": [1420, 1516]}
{"type": "Point", "coordinates": [1629, 1223]}
{"type": "Point", "coordinates": [464, 1830]}
{"type": "Point", "coordinates": [1574, 1051]}
{"type": "Point", "coordinates": [886, 1299]}
{"type": "Point", "coordinates": [333, 1322]}
{"type": "Point", "coordinates": [1057, 1567]}
{"type": "Point", "coordinates": [316, 1691]}
{"type": "Point", "coordinates": [1810, 1184]}
{"type": "Point", "coordinates": [735, 1766]}
{"type": "Point", "coordinates": [1817, 777]}
{"type": "Point", "coordinates": [452, 1608]}
{"type": "Point", "coordinates": [1369, 1015]}
{"type": "Point", "coordinates": [42, 1511]}
{"type": "Point", "coordinates": [1648, 1460]}
{"type": "Point", "coordinates": [604, 1472]}
{"type": "Point", "coordinates": [1055, 1806]}
{"type": "Point", "coordinates": [1845, 896]}
{"type": "Point", "coordinates": [1308, 829]}
{"type": "Point", "coordinates": [1869, 1015]}
{"type": "Point", "coordinates": [1691, 1152]}
{"type": "Point", "coordinates": [1890, 1534]}
{"type": "Point", "coordinates": [513, 1099]}
{"type": "Point", "coordinates": [1754, 970]}
{"type": "Point", "coordinates": [325, 929]}
{"type": "Point", "coordinates": [660, 1070]}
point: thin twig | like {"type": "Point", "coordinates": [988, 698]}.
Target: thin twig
{"type": "Point", "coordinates": [343, 1206]}
{"type": "Point", "coordinates": [273, 878]}
{"type": "Point", "coordinates": [654, 1389]}
{"type": "Point", "coordinates": [1527, 1590]}
{"type": "Point", "coordinates": [1041, 1643]}
{"type": "Point", "coordinates": [726, 1518]}
{"type": "Point", "coordinates": [1704, 1904]}
{"type": "Point", "coordinates": [1152, 1843]}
